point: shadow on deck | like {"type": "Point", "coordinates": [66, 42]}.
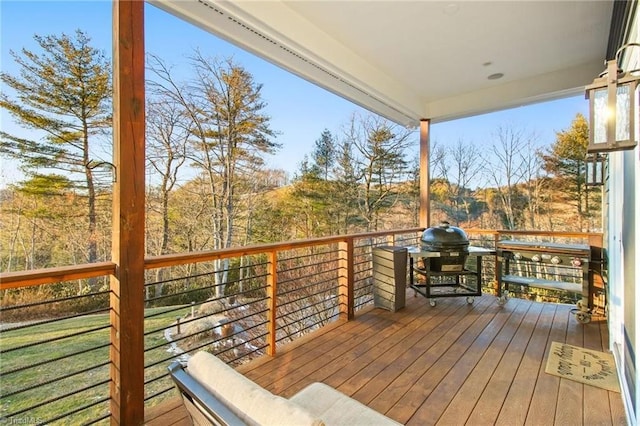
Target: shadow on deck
{"type": "Point", "coordinates": [452, 364]}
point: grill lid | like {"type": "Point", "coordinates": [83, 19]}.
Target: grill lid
{"type": "Point", "coordinates": [444, 236]}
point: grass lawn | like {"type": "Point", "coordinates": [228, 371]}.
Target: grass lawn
{"type": "Point", "coordinates": [83, 367]}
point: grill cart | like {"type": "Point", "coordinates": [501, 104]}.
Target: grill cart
{"type": "Point", "coordinates": [550, 266]}
{"type": "Point", "coordinates": [439, 264]}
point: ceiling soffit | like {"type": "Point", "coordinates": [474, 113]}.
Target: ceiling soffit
{"type": "Point", "coordinates": [228, 22]}
{"type": "Point", "coordinates": [378, 55]}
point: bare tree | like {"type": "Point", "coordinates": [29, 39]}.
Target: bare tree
{"type": "Point", "coordinates": [229, 132]}
{"type": "Point", "coordinates": [459, 166]}
{"type": "Point", "coordinates": [506, 169]}
{"type": "Point", "coordinates": [379, 149]}
{"type": "Point", "coordinates": [414, 189]}
{"type": "Point", "coordinates": [167, 137]}
{"type": "Point", "coordinates": [535, 183]}
{"type": "Point", "coordinates": [437, 160]}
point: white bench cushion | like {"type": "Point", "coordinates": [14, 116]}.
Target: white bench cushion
{"type": "Point", "coordinates": [337, 409]}
{"type": "Point", "coordinates": [250, 402]}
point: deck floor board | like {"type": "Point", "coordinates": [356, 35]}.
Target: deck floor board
{"type": "Point", "coordinates": [451, 364]}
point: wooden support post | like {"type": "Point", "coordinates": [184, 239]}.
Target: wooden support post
{"type": "Point", "coordinates": [127, 284]}
{"type": "Point", "coordinates": [346, 279]}
{"type": "Point", "coordinates": [272, 293]}
{"type": "Point", "coordinates": [425, 182]}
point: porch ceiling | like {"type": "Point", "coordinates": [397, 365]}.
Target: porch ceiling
{"type": "Point", "coordinates": [408, 60]}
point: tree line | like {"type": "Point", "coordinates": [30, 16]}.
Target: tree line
{"type": "Point", "coordinates": [212, 126]}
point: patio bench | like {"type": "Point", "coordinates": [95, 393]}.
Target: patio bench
{"type": "Point", "coordinates": [216, 394]}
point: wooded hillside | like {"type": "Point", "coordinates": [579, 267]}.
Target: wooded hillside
{"type": "Point", "coordinates": [208, 187]}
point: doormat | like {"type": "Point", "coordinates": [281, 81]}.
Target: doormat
{"type": "Point", "coordinates": [583, 365]}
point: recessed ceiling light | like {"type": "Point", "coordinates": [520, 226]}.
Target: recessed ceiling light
{"type": "Point", "coordinates": [495, 76]}
{"type": "Point", "coordinates": [451, 9]}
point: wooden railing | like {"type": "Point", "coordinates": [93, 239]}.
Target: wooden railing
{"type": "Point", "coordinates": [331, 275]}
{"type": "Point", "coordinates": [22, 279]}
{"type": "Point", "coordinates": [346, 286]}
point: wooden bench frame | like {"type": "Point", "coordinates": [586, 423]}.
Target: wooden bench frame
{"type": "Point", "coordinates": [193, 392]}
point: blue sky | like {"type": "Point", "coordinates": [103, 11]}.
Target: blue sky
{"type": "Point", "coordinates": [300, 111]}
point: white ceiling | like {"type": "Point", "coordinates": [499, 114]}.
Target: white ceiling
{"type": "Point", "coordinates": [408, 60]}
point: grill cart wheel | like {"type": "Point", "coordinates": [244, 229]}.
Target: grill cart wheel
{"type": "Point", "coordinates": [583, 317]}
{"type": "Point", "coordinates": [503, 299]}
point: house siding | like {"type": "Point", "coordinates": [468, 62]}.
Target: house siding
{"type": "Point", "coordinates": [622, 243]}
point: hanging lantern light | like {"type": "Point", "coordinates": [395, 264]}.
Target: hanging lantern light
{"type": "Point", "coordinates": [613, 100]}
{"type": "Point", "coordinates": [595, 169]}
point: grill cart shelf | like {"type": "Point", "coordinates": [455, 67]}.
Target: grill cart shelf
{"type": "Point", "coordinates": [442, 283]}
{"type": "Point", "coordinates": [551, 266]}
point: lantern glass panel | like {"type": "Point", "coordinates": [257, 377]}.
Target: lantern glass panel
{"type": "Point", "coordinates": [623, 101]}
{"type": "Point", "coordinates": [600, 115]}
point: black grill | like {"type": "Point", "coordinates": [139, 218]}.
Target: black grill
{"type": "Point", "coordinates": [450, 242]}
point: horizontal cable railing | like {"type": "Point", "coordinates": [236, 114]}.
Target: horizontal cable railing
{"type": "Point", "coordinates": [223, 310]}
{"type": "Point", "coordinates": [54, 346]}
{"type": "Point", "coordinates": [307, 297]}
{"type": "Point", "coordinates": [238, 303]}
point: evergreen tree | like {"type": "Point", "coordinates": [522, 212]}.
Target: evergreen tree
{"type": "Point", "coordinates": [231, 134]}
{"type": "Point", "coordinates": [324, 154]}
{"type": "Point", "coordinates": [62, 98]}
{"type": "Point", "coordinates": [314, 203]}
{"type": "Point", "coordinates": [346, 187]}
{"type": "Point", "coordinates": [565, 160]}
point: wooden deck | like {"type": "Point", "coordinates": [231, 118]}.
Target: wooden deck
{"type": "Point", "coordinates": [451, 364]}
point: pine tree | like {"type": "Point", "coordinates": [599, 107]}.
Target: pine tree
{"type": "Point", "coordinates": [346, 188]}
{"type": "Point", "coordinates": [324, 154]}
{"type": "Point", "coordinates": [62, 99]}
{"type": "Point", "coordinates": [565, 160]}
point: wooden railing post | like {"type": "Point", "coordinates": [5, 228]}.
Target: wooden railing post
{"type": "Point", "coordinates": [272, 293]}
{"type": "Point", "coordinates": [391, 239]}
{"type": "Point", "coordinates": [127, 283]}
{"type": "Point", "coordinates": [345, 279]}
{"type": "Point", "coordinates": [497, 264]}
